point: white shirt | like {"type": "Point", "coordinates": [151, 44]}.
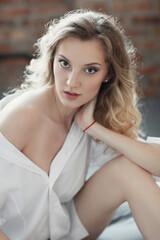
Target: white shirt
{"type": "Point", "coordinates": [34, 205]}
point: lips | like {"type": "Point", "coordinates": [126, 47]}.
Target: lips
{"type": "Point", "coordinates": [72, 93]}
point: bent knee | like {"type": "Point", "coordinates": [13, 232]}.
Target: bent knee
{"type": "Point", "coordinates": [125, 170]}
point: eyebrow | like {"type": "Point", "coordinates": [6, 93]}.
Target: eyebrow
{"type": "Point", "coordinates": [88, 64]}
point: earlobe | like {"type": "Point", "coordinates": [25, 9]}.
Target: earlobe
{"type": "Point", "coordinates": [106, 80]}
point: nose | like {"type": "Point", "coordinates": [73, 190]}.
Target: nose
{"type": "Point", "coordinates": [73, 80]}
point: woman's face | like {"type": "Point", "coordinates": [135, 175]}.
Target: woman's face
{"type": "Point", "coordinates": [79, 70]}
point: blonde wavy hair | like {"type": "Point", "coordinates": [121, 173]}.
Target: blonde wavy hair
{"type": "Point", "coordinates": [116, 106]}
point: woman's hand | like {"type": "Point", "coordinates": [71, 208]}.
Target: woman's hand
{"type": "Point", "coordinates": [84, 117]}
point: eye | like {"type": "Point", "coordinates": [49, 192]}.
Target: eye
{"type": "Point", "coordinates": [91, 70]}
{"type": "Point", "coordinates": [64, 63]}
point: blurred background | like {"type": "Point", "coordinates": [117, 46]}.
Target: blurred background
{"type": "Point", "coordinates": [23, 21]}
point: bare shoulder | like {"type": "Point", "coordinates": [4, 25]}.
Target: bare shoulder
{"type": "Point", "coordinates": [20, 118]}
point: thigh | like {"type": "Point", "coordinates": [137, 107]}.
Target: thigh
{"type": "Point", "coordinates": [99, 198]}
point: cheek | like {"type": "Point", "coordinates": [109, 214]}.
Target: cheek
{"type": "Point", "coordinates": [55, 70]}
{"type": "Point", "coordinates": [93, 86]}
{"type": "Point", "coordinates": [58, 74]}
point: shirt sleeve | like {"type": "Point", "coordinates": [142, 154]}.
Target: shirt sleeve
{"type": "Point", "coordinates": [4, 101]}
{"type": "Point", "coordinates": [101, 153]}
{"type": "Point", "coordinates": [155, 140]}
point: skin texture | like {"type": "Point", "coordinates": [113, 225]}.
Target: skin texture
{"type": "Point", "coordinates": [74, 69]}
{"type": "Point", "coordinates": [44, 117]}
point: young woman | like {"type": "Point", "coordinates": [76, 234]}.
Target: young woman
{"type": "Point", "coordinates": [77, 104]}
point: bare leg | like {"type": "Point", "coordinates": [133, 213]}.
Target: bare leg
{"type": "Point", "coordinates": [117, 181]}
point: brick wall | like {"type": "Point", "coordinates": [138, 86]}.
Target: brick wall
{"type": "Point", "coordinates": [22, 22]}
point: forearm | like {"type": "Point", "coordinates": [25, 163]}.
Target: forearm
{"type": "Point", "coordinates": [3, 236]}
{"type": "Point", "coordinates": [145, 155]}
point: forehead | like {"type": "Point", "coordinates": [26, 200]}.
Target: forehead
{"type": "Point", "coordinates": [82, 50]}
